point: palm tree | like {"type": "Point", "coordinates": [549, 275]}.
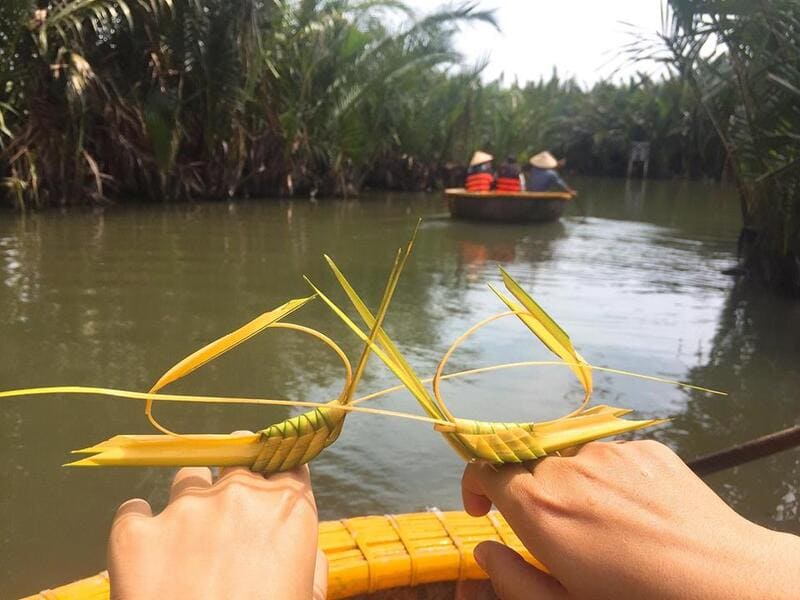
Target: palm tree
{"type": "Point", "coordinates": [171, 99]}
{"type": "Point", "coordinates": [183, 98]}
{"type": "Point", "coordinates": [749, 86]}
{"type": "Point", "coordinates": [45, 81]}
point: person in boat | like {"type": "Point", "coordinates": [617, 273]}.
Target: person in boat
{"type": "Point", "coordinates": [609, 519]}
{"type": "Point", "coordinates": [480, 174]}
{"type": "Point", "coordinates": [508, 176]}
{"type": "Point", "coordinates": [542, 176]}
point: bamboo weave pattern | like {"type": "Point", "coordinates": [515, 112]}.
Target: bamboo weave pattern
{"type": "Point", "coordinates": [375, 553]}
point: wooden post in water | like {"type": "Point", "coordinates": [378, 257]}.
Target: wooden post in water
{"type": "Point", "coordinates": [746, 452]}
{"type": "Point", "coordinates": [640, 152]}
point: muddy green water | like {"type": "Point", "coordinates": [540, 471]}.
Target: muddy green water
{"type": "Point", "coordinates": [114, 297]}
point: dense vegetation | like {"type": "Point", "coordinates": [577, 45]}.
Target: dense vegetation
{"type": "Point", "coordinates": [594, 128]}
{"type": "Point", "coordinates": [177, 98]}
{"type": "Point", "coordinates": [168, 99]}
{"type": "Point", "coordinates": [750, 90]}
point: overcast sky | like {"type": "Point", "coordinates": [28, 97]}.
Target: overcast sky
{"type": "Point", "coordinates": [580, 37]}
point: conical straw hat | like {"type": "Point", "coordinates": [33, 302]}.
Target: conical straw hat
{"type": "Point", "coordinates": [544, 160]}
{"type": "Point", "coordinates": [479, 158]}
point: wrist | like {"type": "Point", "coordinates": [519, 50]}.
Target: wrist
{"type": "Point", "coordinates": [743, 561]}
{"type": "Point", "coordinates": [777, 574]}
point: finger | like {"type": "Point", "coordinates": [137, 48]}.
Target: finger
{"type": "Point", "coordinates": [569, 452]}
{"type": "Point", "coordinates": [513, 578]}
{"type": "Point", "coordinates": [301, 475]}
{"type": "Point", "coordinates": [228, 470]}
{"type": "Point", "coordinates": [134, 507]}
{"type": "Point", "coordinates": [475, 499]}
{"type": "Point", "coordinates": [298, 478]}
{"type": "Point", "coordinates": [320, 577]}
{"type": "Point", "coordinates": [298, 481]}
{"type": "Point", "coordinates": [189, 478]}
{"type": "Point", "coordinates": [505, 485]}
{"type": "Point", "coordinates": [483, 485]}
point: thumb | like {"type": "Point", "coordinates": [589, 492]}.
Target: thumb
{"type": "Point", "coordinates": [512, 577]}
{"type": "Point", "coordinates": [320, 577]}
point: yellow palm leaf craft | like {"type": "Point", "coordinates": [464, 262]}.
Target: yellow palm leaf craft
{"type": "Point", "coordinates": [279, 447]}
{"type": "Point", "coordinates": [216, 349]}
{"type": "Point", "coordinates": [385, 349]}
{"type": "Point", "coordinates": [498, 442]}
{"type": "Point", "coordinates": [518, 442]}
{"type": "Point", "coordinates": [299, 439]}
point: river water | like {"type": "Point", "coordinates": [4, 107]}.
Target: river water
{"type": "Point", "coordinates": [114, 297]}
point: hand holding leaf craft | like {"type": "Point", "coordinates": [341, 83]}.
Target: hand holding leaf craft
{"type": "Point", "coordinates": [300, 439]}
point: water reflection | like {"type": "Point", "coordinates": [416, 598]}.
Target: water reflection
{"type": "Point", "coordinates": [754, 357]}
{"type": "Point", "coordinates": [479, 249]}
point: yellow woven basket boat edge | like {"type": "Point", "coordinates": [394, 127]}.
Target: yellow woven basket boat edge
{"type": "Point", "coordinates": [374, 553]}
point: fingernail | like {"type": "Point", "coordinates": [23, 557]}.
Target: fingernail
{"type": "Point", "coordinates": [480, 555]}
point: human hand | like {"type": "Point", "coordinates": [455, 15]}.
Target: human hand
{"type": "Point", "coordinates": [243, 536]}
{"type": "Point", "coordinates": [625, 520]}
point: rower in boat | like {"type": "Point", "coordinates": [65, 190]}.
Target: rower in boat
{"type": "Point", "coordinates": [543, 176]}
{"type": "Point", "coordinates": [480, 174]}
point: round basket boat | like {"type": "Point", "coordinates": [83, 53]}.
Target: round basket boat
{"type": "Point", "coordinates": [368, 556]}
{"type": "Point", "coordinates": [508, 207]}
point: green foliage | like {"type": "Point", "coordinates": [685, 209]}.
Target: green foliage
{"type": "Point", "coordinates": [169, 99]}
{"type": "Point", "coordinates": [594, 128]}
{"type": "Point", "coordinates": [175, 98]}
{"type": "Point", "coordinates": [750, 89]}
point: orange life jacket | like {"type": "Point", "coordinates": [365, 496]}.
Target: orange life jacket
{"type": "Point", "coordinates": [508, 184]}
{"type": "Point", "coordinates": [508, 178]}
{"type": "Point", "coordinates": [480, 182]}
{"type": "Point", "coordinates": [480, 178]}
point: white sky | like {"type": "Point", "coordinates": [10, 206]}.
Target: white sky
{"type": "Point", "coordinates": [580, 37]}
